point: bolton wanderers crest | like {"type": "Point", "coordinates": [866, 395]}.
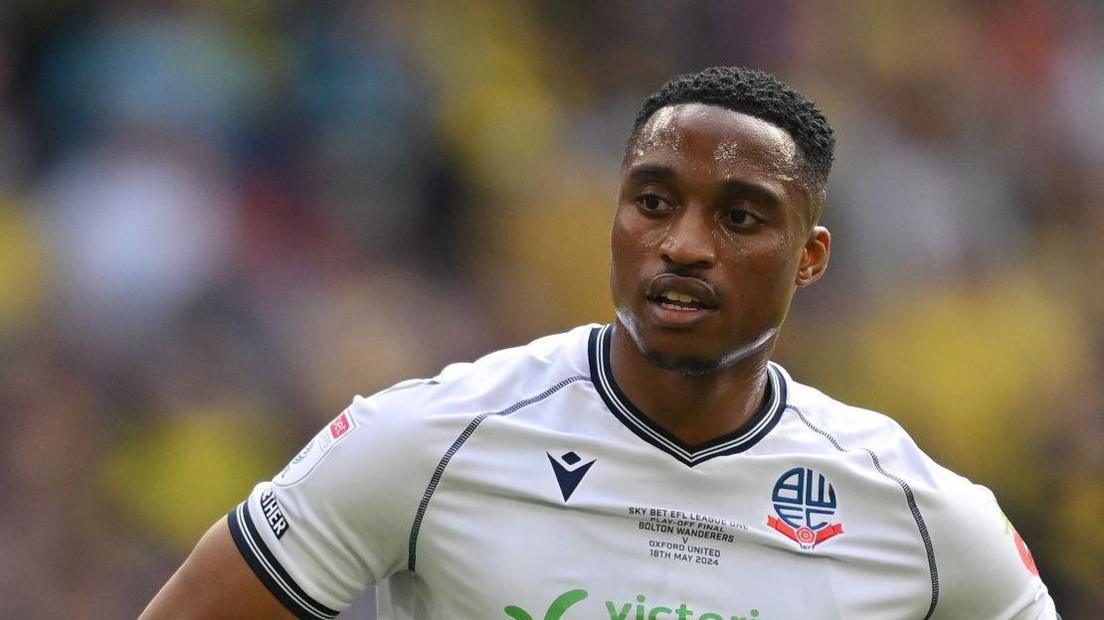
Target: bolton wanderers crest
{"type": "Point", "coordinates": [804, 502]}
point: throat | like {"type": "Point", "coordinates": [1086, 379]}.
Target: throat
{"type": "Point", "coordinates": [698, 421]}
{"type": "Point", "coordinates": [695, 408]}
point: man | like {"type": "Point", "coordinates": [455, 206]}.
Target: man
{"type": "Point", "coordinates": [658, 467]}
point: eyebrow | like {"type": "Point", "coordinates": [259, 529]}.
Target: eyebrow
{"type": "Point", "coordinates": [754, 191]}
{"type": "Point", "coordinates": [734, 188]}
{"type": "Point", "coordinates": [651, 172]}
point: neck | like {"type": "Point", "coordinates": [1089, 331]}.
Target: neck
{"type": "Point", "coordinates": [695, 409]}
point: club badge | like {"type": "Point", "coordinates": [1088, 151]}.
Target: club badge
{"type": "Point", "coordinates": [804, 502]}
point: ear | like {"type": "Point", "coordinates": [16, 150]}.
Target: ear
{"type": "Point", "coordinates": [814, 256]}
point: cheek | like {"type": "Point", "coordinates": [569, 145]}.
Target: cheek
{"type": "Point", "coordinates": [629, 239]}
{"type": "Point", "coordinates": [763, 254]}
{"type": "Point", "coordinates": [633, 233]}
{"type": "Point", "coordinates": [621, 252]}
{"type": "Point", "coordinates": [770, 265]}
{"type": "Point", "coordinates": [617, 238]}
{"type": "Point", "coordinates": [784, 275]}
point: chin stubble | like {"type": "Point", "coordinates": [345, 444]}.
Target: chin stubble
{"type": "Point", "coordinates": [692, 366]}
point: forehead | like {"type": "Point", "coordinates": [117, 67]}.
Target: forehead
{"type": "Point", "coordinates": [716, 141]}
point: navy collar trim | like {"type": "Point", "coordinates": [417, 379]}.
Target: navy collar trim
{"type": "Point", "coordinates": [748, 435]}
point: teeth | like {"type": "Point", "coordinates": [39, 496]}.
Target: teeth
{"type": "Point", "coordinates": [680, 297]}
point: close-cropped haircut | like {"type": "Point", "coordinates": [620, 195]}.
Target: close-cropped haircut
{"type": "Point", "coordinates": [764, 96]}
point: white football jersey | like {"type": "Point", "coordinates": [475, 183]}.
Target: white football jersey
{"type": "Point", "coordinates": [526, 486]}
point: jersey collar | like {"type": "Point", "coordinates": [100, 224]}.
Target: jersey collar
{"type": "Point", "coordinates": [741, 439]}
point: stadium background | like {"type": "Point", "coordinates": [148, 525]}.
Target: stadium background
{"type": "Point", "coordinates": [219, 221]}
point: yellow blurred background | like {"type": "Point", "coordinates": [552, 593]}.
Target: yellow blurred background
{"type": "Point", "coordinates": [221, 220]}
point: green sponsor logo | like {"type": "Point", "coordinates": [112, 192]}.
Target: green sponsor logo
{"type": "Point", "coordinates": [555, 610]}
{"type": "Point", "coordinates": [642, 610]}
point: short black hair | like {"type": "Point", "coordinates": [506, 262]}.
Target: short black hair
{"type": "Point", "coordinates": [762, 95]}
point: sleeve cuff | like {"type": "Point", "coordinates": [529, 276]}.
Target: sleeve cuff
{"type": "Point", "coordinates": [269, 571]}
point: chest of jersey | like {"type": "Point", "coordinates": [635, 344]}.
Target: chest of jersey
{"type": "Point", "coordinates": [533, 521]}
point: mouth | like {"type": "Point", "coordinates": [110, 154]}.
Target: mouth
{"type": "Point", "coordinates": [678, 301]}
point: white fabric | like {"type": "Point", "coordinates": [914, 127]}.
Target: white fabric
{"type": "Point", "coordinates": [458, 475]}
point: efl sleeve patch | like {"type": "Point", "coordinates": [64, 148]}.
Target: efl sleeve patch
{"type": "Point", "coordinates": [311, 455]}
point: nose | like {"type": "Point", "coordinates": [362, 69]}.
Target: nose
{"type": "Point", "coordinates": [689, 241]}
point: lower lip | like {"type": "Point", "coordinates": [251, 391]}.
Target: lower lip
{"type": "Point", "coordinates": [680, 318]}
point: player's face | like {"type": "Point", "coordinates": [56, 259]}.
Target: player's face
{"type": "Point", "coordinates": [710, 238]}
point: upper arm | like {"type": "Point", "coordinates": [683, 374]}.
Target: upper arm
{"type": "Point", "coordinates": [215, 582]}
{"type": "Point", "coordinates": [335, 521]}
{"type": "Point", "coordinates": [985, 568]}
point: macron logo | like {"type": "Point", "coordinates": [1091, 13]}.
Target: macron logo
{"type": "Point", "coordinates": [569, 473]}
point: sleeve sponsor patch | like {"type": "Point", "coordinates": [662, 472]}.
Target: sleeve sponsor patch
{"type": "Point", "coordinates": [273, 515]}
{"type": "Point", "coordinates": [342, 424]}
{"type": "Point", "coordinates": [1025, 554]}
{"type": "Point", "coordinates": [309, 457]}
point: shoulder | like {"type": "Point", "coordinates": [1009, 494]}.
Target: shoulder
{"type": "Point", "coordinates": [542, 361]}
{"type": "Point", "coordinates": [985, 567]}
{"type": "Point", "coordinates": [391, 445]}
{"type": "Point", "coordinates": [490, 383]}
{"type": "Point", "coordinates": [434, 410]}
{"type": "Point", "coordinates": [982, 567]}
{"type": "Point", "coordinates": [848, 427]}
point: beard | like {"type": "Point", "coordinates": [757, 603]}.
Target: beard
{"type": "Point", "coordinates": [693, 365]}
{"type": "Point", "coordinates": [686, 366]}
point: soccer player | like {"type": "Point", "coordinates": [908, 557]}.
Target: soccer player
{"type": "Point", "coordinates": [660, 467]}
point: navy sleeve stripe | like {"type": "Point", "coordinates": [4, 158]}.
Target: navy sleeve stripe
{"type": "Point", "coordinates": [268, 570]}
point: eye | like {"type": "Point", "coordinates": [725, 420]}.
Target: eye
{"type": "Point", "coordinates": [653, 203]}
{"type": "Point", "coordinates": [741, 218]}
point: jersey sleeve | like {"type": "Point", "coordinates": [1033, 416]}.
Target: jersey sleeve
{"type": "Point", "coordinates": [985, 568]}
{"type": "Point", "coordinates": [337, 519]}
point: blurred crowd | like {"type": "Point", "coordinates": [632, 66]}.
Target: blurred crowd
{"type": "Point", "coordinates": [219, 221]}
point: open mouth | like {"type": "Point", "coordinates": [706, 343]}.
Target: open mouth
{"type": "Point", "coordinates": [680, 302]}
{"type": "Point", "coordinates": [681, 294]}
